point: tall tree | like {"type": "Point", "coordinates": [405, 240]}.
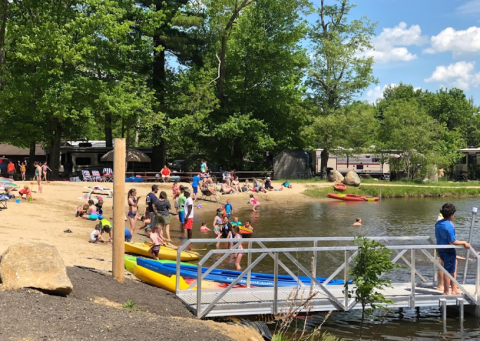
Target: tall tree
{"type": "Point", "coordinates": [338, 72]}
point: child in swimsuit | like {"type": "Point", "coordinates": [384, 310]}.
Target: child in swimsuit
{"type": "Point", "coordinates": [96, 235]}
{"type": "Point", "coordinates": [237, 256]}
{"type": "Point", "coordinates": [217, 223]}
{"type": "Point", "coordinates": [174, 189]}
{"type": "Point", "coordinates": [204, 228]}
{"type": "Point", "coordinates": [254, 202]}
{"type": "Point", "coordinates": [157, 241]}
{"type": "Point", "coordinates": [23, 170]}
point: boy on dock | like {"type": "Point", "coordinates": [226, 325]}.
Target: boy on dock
{"type": "Point", "coordinates": [445, 234]}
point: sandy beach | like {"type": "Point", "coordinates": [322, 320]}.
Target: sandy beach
{"type": "Point", "coordinates": [53, 211]}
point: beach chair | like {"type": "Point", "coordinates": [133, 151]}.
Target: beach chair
{"type": "Point", "coordinates": [99, 190]}
{"type": "Point", "coordinates": [107, 175]}
{"type": "Point", "coordinates": [207, 193]}
{"type": "Point", "coordinates": [96, 175]}
{"type": "Point", "coordinates": [3, 201]}
{"type": "Point", "coordinates": [86, 175]}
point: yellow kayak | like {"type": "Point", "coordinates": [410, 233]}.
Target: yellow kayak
{"type": "Point", "coordinates": [165, 251]}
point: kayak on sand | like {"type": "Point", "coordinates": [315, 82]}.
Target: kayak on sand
{"type": "Point", "coordinates": [165, 251]}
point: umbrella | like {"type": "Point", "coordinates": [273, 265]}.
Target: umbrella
{"type": "Point", "coordinates": [133, 155]}
{"type": "Point", "coordinates": [5, 179]}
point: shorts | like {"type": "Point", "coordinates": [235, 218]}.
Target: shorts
{"type": "Point", "coordinates": [153, 220]}
{"type": "Point", "coordinates": [155, 249]}
{"type": "Point", "coordinates": [228, 215]}
{"type": "Point", "coordinates": [195, 189]}
{"type": "Point", "coordinates": [162, 218]}
{"type": "Point", "coordinates": [132, 214]}
{"type": "Point", "coordinates": [449, 261]}
{"type": "Point", "coordinates": [181, 216]}
{"type": "Point", "coordinates": [92, 217]}
{"type": "Point", "coordinates": [189, 224]}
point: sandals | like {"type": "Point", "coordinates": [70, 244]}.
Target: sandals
{"type": "Point", "coordinates": [68, 231]}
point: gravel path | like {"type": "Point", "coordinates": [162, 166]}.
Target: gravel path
{"type": "Point", "coordinates": [94, 312]}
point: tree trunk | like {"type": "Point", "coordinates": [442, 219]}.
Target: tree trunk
{"type": "Point", "coordinates": [324, 162]}
{"type": "Point", "coordinates": [159, 149]}
{"type": "Point", "coordinates": [55, 149]}
{"type": "Point", "coordinates": [31, 159]}
{"type": "Point", "coordinates": [237, 154]}
{"type": "Point", "coordinates": [108, 130]}
{"type": "Point", "coordinates": [3, 24]}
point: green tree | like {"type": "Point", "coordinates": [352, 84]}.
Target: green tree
{"type": "Point", "coordinates": [338, 71]}
{"type": "Point", "coordinates": [369, 265]}
{"type": "Point", "coordinates": [407, 128]}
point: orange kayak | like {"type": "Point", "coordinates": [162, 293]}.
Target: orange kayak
{"type": "Point", "coordinates": [340, 187]}
{"type": "Point", "coordinates": [351, 197]}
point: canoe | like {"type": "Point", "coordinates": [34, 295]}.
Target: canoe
{"type": "Point", "coordinates": [351, 197]}
{"type": "Point", "coordinates": [165, 252]}
{"type": "Point", "coordinates": [167, 282]}
{"type": "Point", "coordinates": [340, 187]}
{"type": "Point", "coordinates": [226, 276]}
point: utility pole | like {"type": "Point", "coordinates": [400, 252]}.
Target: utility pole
{"type": "Point", "coordinates": [118, 260]}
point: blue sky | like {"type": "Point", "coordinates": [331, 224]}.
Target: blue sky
{"type": "Point", "coordinates": [427, 43]}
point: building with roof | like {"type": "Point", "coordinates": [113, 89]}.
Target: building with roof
{"type": "Point", "coordinates": [291, 164]}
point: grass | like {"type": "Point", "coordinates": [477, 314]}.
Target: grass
{"type": "Point", "coordinates": [130, 305]}
{"type": "Point", "coordinates": [399, 191]}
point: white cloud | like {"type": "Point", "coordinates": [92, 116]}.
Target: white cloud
{"type": "Point", "coordinates": [391, 44]}
{"type": "Point", "coordinates": [460, 75]}
{"type": "Point", "coordinates": [376, 93]}
{"type": "Point", "coordinates": [471, 7]}
{"type": "Point", "coordinates": [460, 43]}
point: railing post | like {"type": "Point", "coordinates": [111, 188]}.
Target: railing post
{"type": "Point", "coordinates": [412, 278]}
{"type": "Point", "coordinates": [345, 278]}
{"type": "Point", "coordinates": [199, 291]}
{"type": "Point", "coordinates": [275, 284]}
{"type": "Point", "coordinates": [435, 269]}
{"type": "Point", "coordinates": [477, 279]}
{"type": "Point", "coordinates": [465, 270]}
{"type": "Point", "coordinates": [314, 265]}
{"type": "Point", "coordinates": [249, 261]}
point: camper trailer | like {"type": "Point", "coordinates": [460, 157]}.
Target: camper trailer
{"type": "Point", "coordinates": [362, 164]}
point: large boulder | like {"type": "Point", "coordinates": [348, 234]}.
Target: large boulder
{"type": "Point", "coordinates": [34, 265]}
{"type": "Point", "coordinates": [335, 176]}
{"type": "Point", "coordinates": [352, 179]}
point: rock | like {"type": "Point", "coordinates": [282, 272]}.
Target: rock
{"type": "Point", "coordinates": [34, 265]}
{"type": "Point", "coordinates": [352, 179]}
{"type": "Point", "coordinates": [335, 176]}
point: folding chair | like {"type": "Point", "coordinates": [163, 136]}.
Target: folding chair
{"type": "Point", "coordinates": [86, 175]}
{"type": "Point", "coordinates": [108, 175]}
{"type": "Point", "coordinates": [208, 193]}
{"type": "Point", "coordinates": [96, 176]}
{"type": "Point", "coordinates": [3, 202]}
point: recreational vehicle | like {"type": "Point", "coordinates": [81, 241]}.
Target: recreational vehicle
{"type": "Point", "coordinates": [362, 164]}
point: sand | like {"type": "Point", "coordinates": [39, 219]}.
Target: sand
{"type": "Point", "coordinates": [52, 212]}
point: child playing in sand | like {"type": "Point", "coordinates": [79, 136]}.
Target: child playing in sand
{"type": "Point", "coordinates": [237, 256]}
{"type": "Point", "coordinates": [96, 235]}
{"type": "Point", "coordinates": [106, 227]}
{"type": "Point", "coordinates": [287, 184]}
{"type": "Point", "coordinates": [91, 207]}
{"type": "Point", "coordinates": [204, 228]}
{"type": "Point", "coordinates": [99, 205]}
{"type": "Point", "coordinates": [254, 202]}
{"type": "Point", "coordinates": [157, 240]}
{"type": "Point", "coordinates": [25, 191]}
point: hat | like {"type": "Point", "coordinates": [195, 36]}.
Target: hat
{"type": "Point", "coordinates": [268, 178]}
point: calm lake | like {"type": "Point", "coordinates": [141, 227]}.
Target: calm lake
{"type": "Point", "coordinates": [389, 217]}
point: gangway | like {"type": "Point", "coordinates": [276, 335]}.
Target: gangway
{"type": "Point", "coordinates": [415, 290]}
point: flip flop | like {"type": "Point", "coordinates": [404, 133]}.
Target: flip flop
{"type": "Point", "coordinates": [68, 231]}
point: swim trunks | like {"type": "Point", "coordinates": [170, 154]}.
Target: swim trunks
{"type": "Point", "coordinates": [449, 261]}
{"type": "Point", "coordinates": [181, 216]}
{"type": "Point", "coordinates": [189, 224]}
{"type": "Point", "coordinates": [156, 249]}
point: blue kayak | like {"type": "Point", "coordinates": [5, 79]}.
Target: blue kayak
{"type": "Point", "coordinates": [169, 268]}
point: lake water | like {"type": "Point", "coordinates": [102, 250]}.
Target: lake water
{"type": "Point", "coordinates": [389, 217]}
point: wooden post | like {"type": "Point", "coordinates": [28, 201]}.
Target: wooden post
{"type": "Point", "coordinates": [119, 157]}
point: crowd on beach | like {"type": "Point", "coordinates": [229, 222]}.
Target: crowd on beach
{"type": "Point", "coordinates": [156, 217]}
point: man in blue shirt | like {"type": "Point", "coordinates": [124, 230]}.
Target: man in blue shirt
{"type": "Point", "coordinates": [445, 234]}
{"type": "Point", "coordinates": [195, 181]}
{"type": "Point", "coordinates": [151, 199]}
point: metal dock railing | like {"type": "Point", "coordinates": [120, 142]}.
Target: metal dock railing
{"type": "Point", "coordinates": [417, 289]}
